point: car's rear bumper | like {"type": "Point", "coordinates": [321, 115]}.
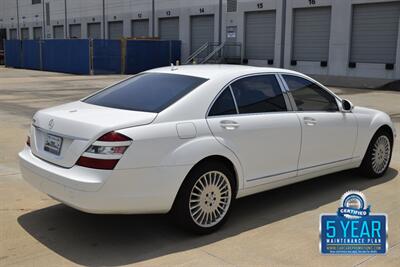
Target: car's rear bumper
{"type": "Point", "coordinates": [130, 191]}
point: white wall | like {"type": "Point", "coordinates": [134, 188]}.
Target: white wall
{"type": "Point", "coordinates": [339, 44]}
{"type": "Point", "coordinates": [87, 11]}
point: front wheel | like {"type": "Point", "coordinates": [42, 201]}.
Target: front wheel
{"type": "Point", "coordinates": [204, 201]}
{"type": "Point", "coordinates": [377, 158]}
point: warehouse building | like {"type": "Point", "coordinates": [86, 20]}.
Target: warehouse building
{"type": "Point", "coordinates": [338, 39]}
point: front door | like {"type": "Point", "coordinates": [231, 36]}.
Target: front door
{"type": "Point", "coordinates": [328, 135]}
{"type": "Point", "coordinates": [251, 118]}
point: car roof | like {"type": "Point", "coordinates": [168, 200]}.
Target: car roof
{"type": "Point", "coordinates": [215, 71]}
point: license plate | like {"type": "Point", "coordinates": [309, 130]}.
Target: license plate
{"type": "Point", "coordinates": [52, 144]}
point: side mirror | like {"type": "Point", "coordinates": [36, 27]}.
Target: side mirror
{"type": "Point", "coordinates": [347, 106]}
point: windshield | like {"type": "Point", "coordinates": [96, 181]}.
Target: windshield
{"type": "Point", "coordinates": [150, 92]}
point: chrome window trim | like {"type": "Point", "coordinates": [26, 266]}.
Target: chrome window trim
{"type": "Point", "coordinates": [322, 87]}
{"type": "Point", "coordinates": [234, 99]}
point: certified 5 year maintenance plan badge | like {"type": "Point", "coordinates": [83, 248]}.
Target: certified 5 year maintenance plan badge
{"type": "Point", "coordinates": [353, 229]}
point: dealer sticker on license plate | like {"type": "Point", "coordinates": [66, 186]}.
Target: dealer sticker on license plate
{"type": "Point", "coordinates": [52, 144]}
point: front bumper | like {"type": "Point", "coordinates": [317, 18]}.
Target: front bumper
{"type": "Point", "coordinates": [127, 191]}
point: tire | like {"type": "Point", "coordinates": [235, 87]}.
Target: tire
{"type": "Point", "coordinates": [379, 153]}
{"type": "Point", "coordinates": [205, 199]}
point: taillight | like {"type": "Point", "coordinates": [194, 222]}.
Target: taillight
{"type": "Point", "coordinates": [105, 153]}
{"type": "Point", "coordinates": [102, 164]}
{"type": "Point", "coordinates": [28, 141]}
{"type": "Point", "coordinates": [114, 137]}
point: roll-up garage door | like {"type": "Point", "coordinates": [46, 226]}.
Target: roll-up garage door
{"type": "Point", "coordinates": [37, 33]}
{"type": "Point", "coordinates": [375, 32]}
{"type": "Point", "coordinates": [140, 28]}
{"type": "Point", "coordinates": [169, 28]}
{"type": "Point", "coordinates": [13, 34]}
{"type": "Point", "coordinates": [311, 32]}
{"type": "Point", "coordinates": [94, 30]}
{"type": "Point", "coordinates": [58, 32]}
{"type": "Point", "coordinates": [201, 31]}
{"type": "Point", "coordinates": [260, 34]}
{"type": "Point", "coordinates": [75, 31]}
{"type": "Point", "coordinates": [115, 30]}
{"type": "Point", "coordinates": [24, 33]}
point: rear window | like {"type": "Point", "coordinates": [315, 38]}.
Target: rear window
{"type": "Point", "coordinates": [150, 92]}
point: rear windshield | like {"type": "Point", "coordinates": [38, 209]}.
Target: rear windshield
{"type": "Point", "coordinates": [150, 92]}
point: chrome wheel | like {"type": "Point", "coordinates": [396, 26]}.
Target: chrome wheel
{"type": "Point", "coordinates": [210, 199]}
{"type": "Point", "coordinates": [381, 154]}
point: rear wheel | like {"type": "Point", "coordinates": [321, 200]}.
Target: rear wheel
{"type": "Point", "coordinates": [377, 158]}
{"type": "Point", "coordinates": [204, 201]}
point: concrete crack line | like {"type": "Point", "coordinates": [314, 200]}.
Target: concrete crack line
{"type": "Point", "coordinates": [371, 257]}
{"type": "Point", "coordinates": [215, 256]}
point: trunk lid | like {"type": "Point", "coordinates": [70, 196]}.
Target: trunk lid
{"type": "Point", "coordinates": [74, 126]}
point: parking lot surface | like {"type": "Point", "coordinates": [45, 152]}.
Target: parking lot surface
{"type": "Point", "coordinates": [274, 228]}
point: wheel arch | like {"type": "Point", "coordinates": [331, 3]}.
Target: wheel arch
{"type": "Point", "coordinates": [219, 158]}
{"type": "Point", "coordinates": [382, 121]}
{"type": "Point", "coordinates": [383, 127]}
{"type": "Point", "coordinates": [223, 160]}
{"type": "Point", "coordinates": [386, 128]}
{"type": "Point", "coordinates": [369, 123]}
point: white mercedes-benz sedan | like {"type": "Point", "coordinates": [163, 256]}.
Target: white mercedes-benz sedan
{"type": "Point", "coordinates": [191, 139]}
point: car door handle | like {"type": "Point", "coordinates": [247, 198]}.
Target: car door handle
{"type": "Point", "coordinates": [309, 121]}
{"type": "Point", "coordinates": [229, 125]}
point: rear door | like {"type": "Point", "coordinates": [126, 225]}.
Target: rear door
{"type": "Point", "coordinates": [251, 118]}
{"type": "Point", "coordinates": [328, 135]}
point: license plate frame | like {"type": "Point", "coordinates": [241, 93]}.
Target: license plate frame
{"type": "Point", "coordinates": [53, 144]}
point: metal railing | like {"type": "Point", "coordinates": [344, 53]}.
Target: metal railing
{"type": "Point", "coordinates": [232, 52]}
{"type": "Point", "coordinates": [218, 49]}
{"type": "Point", "coordinates": [227, 52]}
{"type": "Point", "coordinates": [196, 53]}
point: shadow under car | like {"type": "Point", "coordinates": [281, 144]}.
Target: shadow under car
{"type": "Point", "coordinates": [111, 240]}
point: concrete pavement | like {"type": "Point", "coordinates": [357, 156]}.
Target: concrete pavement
{"type": "Point", "coordinates": [275, 228]}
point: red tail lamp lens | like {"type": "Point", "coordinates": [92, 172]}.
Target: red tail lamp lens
{"type": "Point", "coordinates": [101, 164]}
{"type": "Point", "coordinates": [114, 137]}
{"type": "Point", "coordinates": [94, 155]}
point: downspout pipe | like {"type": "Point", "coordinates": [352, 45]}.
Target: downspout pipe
{"type": "Point", "coordinates": [283, 31]}
{"type": "Point", "coordinates": [18, 28]}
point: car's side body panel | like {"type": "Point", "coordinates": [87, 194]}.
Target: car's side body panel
{"type": "Point", "coordinates": [127, 191]}
{"type": "Point", "coordinates": [331, 168]}
{"type": "Point", "coordinates": [160, 145]}
{"type": "Point", "coordinates": [369, 121]}
{"type": "Point", "coordinates": [274, 149]}
{"type": "Point", "coordinates": [266, 144]}
{"type": "Point", "coordinates": [330, 138]}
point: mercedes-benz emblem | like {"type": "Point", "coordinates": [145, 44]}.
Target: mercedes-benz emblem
{"type": "Point", "coordinates": [51, 124]}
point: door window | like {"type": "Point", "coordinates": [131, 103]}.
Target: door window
{"type": "Point", "coordinates": [259, 94]}
{"type": "Point", "coordinates": [224, 105]}
{"type": "Point", "coordinates": [308, 96]}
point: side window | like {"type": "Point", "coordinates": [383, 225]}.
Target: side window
{"type": "Point", "coordinates": [224, 105]}
{"type": "Point", "coordinates": [308, 96]}
{"type": "Point", "coordinates": [258, 94]}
